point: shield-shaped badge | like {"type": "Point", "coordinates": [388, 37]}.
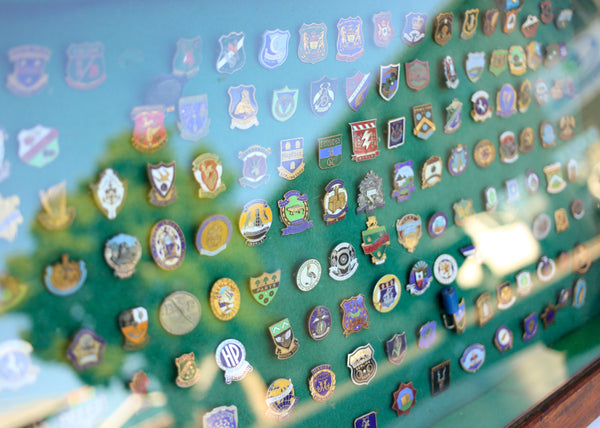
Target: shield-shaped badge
{"type": "Point", "coordinates": [312, 47]}
{"type": "Point", "coordinates": [458, 160]}
{"type": "Point", "coordinates": [396, 348]}
{"type": "Point", "coordinates": [490, 21]}
{"type": "Point", "coordinates": [534, 54]}
{"type": "Point", "coordinates": [109, 193]}
{"type": "Point", "coordinates": [443, 29]}
{"type": "Point", "coordinates": [554, 178]}
{"type": "Point", "coordinates": [420, 276]}
{"type": "Point", "coordinates": [481, 106]}
{"type": "Point", "coordinates": [193, 117]}
{"type": "Point", "coordinates": [389, 76]}
{"type": "Point", "coordinates": [263, 288]}
{"type": "Point", "coordinates": [364, 140]}
{"type": "Point", "coordinates": [357, 88]}
{"type": "Point", "coordinates": [565, 127]}
{"type": "Point", "coordinates": [383, 29]}
{"type": "Point", "coordinates": [506, 101]}
{"type": "Point", "coordinates": [424, 127]}
{"type": "Point", "coordinates": [85, 65]}
{"type": "Point", "coordinates": [4, 164]}
{"type": "Point", "coordinates": [427, 335]}
{"type": "Point", "coordinates": [453, 116]}
{"type": "Point", "coordinates": [208, 172]}
{"type": "Point", "coordinates": [243, 107]}
{"type": "Point", "coordinates": [510, 20]}
{"type": "Point", "coordinates": [274, 50]}
{"type": "Point", "coordinates": [162, 179]}
{"type": "Point", "coordinates": [431, 174]}
{"type": "Point", "coordinates": [38, 146]}
{"type": "Point", "coordinates": [322, 95]}
{"type": "Point", "coordinates": [563, 18]}
{"type": "Point", "coordinates": [294, 212]}
{"type": "Point", "coordinates": [254, 169]}
{"type": "Point", "coordinates": [86, 349]}
{"type": "Point", "coordinates": [186, 61]}
{"type": "Point", "coordinates": [134, 326]}
{"type": "Point", "coordinates": [188, 372]}
{"type": "Point", "coordinates": [517, 63]}
{"type": "Point", "coordinates": [285, 101]}
{"type": "Point", "coordinates": [409, 230]}
{"type": "Point", "coordinates": [282, 334]}
{"type": "Point", "coordinates": [530, 26]}
{"type": "Point", "coordinates": [414, 28]}
{"type": "Point", "coordinates": [417, 74]}
{"type": "Point", "coordinates": [524, 96]}
{"type": "Point", "coordinates": [330, 151]}
{"type": "Point", "coordinates": [475, 65]}
{"type": "Point", "coordinates": [350, 41]}
{"type": "Point", "coordinates": [362, 364]}
{"type": "Point", "coordinates": [232, 56]}
{"type": "Point", "coordinates": [469, 24]}
{"type": "Point", "coordinates": [292, 155]}
{"type": "Point", "coordinates": [149, 134]}
{"type": "Point", "coordinates": [395, 132]}
{"type": "Point", "coordinates": [355, 316]}
{"type": "Point", "coordinates": [375, 241]}
{"type": "Point", "coordinates": [370, 193]}
{"type": "Point", "coordinates": [28, 76]}
{"type": "Point", "coordinates": [335, 202]}
{"type": "Point", "coordinates": [404, 181]}
{"type": "Point", "coordinates": [498, 61]}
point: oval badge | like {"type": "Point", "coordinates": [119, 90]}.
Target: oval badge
{"type": "Point", "coordinates": [308, 275]}
{"type": "Point", "coordinates": [225, 299]}
{"type": "Point", "coordinates": [319, 322]}
{"type": "Point", "coordinates": [213, 235]}
{"type": "Point", "coordinates": [255, 222]}
{"type": "Point", "coordinates": [386, 293]}
{"type": "Point", "coordinates": [473, 357]}
{"type": "Point", "coordinates": [167, 244]}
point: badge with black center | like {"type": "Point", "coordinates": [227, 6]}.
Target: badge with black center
{"type": "Point", "coordinates": [335, 202]}
{"type": "Point", "coordinates": [458, 160]}
{"type": "Point", "coordinates": [263, 288]}
{"type": "Point", "coordinates": [484, 308]}
{"type": "Point", "coordinates": [362, 364]}
{"type": "Point", "coordinates": [481, 106]}
{"type": "Point", "coordinates": [66, 277]}
{"type": "Point", "coordinates": [167, 245]}
{"type": "Point", "coordinates": [396, 348]}
{"type": "Point", "coordinates": [319, 323]}
{"type": "Point", "coordinates": [530, 327]}
{"type": "Point", "coordinates": [409, 230]}
{"type": "Point", "coordinates": [431, 173]}
{"type": "Point", "coordinates": [188, 372]}
{"type": "Point", "coordinates": [445, 269]}
{"type": "Point", "coordinates": [308, 275]}
{"type": "Point", "coordinates": [281, 399]}
{"type": "Point", "coordinates": [342, 262]}
{"type": "Point", "coordinates": [404, 177]}
{"type": "Point", "coordinates": [375, 241]}
{"type": "Point", "coordinates": [554, 178]}
{"type": "Point", "coordinates": [231, 358]}
{"type": "Point", "coordinates": [473, 358]}
{"type": "Point", "coordinates": [355, 316]}
{"type": "Point", "coordinates": [463, 210]}
{"type": "Point", "coordinates": [469, 25]}
{"type": "Point", "coordinates": [509, 151]}
{"type": "Point", "coordinates": [386, 293]}
{"type": "Point", "coordinates": [503, 339]}
{"type": "Point", "coordinates": [443, 28]}
{"type": "Point", "coordinates": [370, 193]}
{"type": "Point", "coordinates": [134, 327]}
{"type": "Point", "coordinates": [321, 383]}
{"type": "Point", "coordinates": [405, 397]}
{"type": "Point", "coordinates": [122, 253]}
{"type": "Point", "coordinates": [439, 378]}
{"type": "Point", "coordinates": [453, 117]}
{"type": "Point", "coordinates": [286, 344]}
{"type": "Point", "coordinates": [424, 127]}
{"type": "Point", "coordinates": [294, 212]}
{"type": "Point", "coordinates": [109, 193]}
{"type": "Point", "coordinates": [419, 279]}
{"type": "Point", "coordinates": [505, 296]}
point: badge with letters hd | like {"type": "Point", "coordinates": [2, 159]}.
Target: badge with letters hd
{"type": "Point", "coordinates": [231, 358]}
{"type": "Point", "coordinates": [443, 28]}
{"type": "Point", "coordinates": [424, 127]}
{"type": "Point", "coordinates": [28, 76]}
{"type": "Point", "coordinates": [122, 253]}
{"type": "Point", "coordinates": [162, 179]}
{"type": "Point", "coordinates": [167, 245]}
{"type": "Point", "coordinates": [362, 364]}
{"type": "Point", "coordinates": [38, 146]}
{"type": "Point", "coordinates": [187, 370]}
{"type": "Point", "coordinates": [66, 277]}
{"type": "Point", "coordinates": [274, 50]}
{"type": "Point", "coordinates": [294, 212]}
{"type": "Point", "coordinates": [335, 202]}
{"type": "Point", "coordinates": [213, 235]}
{"type": "Point", "coordinates": [350, 42]}
{"type": "Point", "coordinates": [292, 158]}
{"type": "Point", "coordinates": [354, 314]}
{"type": "Point", "coordinates": [395, 132]}
{"type": "Point", "coordinates": [312, 45]}
{"type": "Point", "coordinates": [263, 288]}
{"type": "Point", "coordinates": [375, 241]}
{"type": "Point", "coordinates": [414, 28]}
{"type": "Point", "coordinates": [134, 326]}
{"type": "Point", "coordinates": [404, 181]}
{"type": "Point", "coordinates": [232, 56]}
{"type": "Point", "coordinates": [225, 299]}
{"type": "Point", "coordinates": [330, 151]}
{"type": "Point", "coordinates": [109, 193]}
{"type": "Point", "coordinates": [319, 322]}
{"type": "Point", "coordinates": [364, 140]}
{"type": "Point", "coordinates": [254, 170]}
{"type": "Point", "coordinates": [85, 65]}
{"type": "Point", "coordinates": [342, 262]}
{"type": "Point", "coordinates": [285, 101]}
{"type": "Point", "coordinates": [187, 58]}
{"type": "Point", "coordinates": [417, 74]}
{"type": "Point", "coordinates": [383, 29]}
{"type": "Point", "coordinates": [208, 172]}
{"type": "Point", "coordinates": [370, 193]}
{"type": "Point", "coordinates": [321, 382]}
{"type": "Point", "coordinates": [255, 222]}
{"type": "Point", "coordinates": [322, 95]}
{"type": "Point", "coordinates": [149, 134]}
{"type": "Point", "coordinates": [193, 117]}
{"type": "Point", "coordinates": [357, 88]}
{"type": "Point", "coordinates": [86, 349]}
{"type": "Point", "coordinates": [389, 76]}
{"type": "Point", "coordinates": [222, 416]}
{"type": "Point", "coordinates": [243, 107]}
{"type": "Point", "coordinates": [286, 344]}
{"type": "Point", "coordinates": [56, 215]}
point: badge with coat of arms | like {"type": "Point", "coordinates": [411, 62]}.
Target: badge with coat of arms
{"type": "Point", "coordinates": [109, 193]}
{"type": "Point", "coordinates": [186, 61]}
{"type": "Point", "coordinates": [383, 29]}
{"type": "Point", "coordinates": [162, 179]}
{"type": "Point", "coordinates": [263, 288]}
{"type": "Point", "coordinates": [414, 28]}
{"type": "Point", "coordinates": [409, 230]}
{"type": "Point", "coordinates": [149, 134]}
{"type": "Point", "coordinates": [208, 172]}
{"type": "Point", "coordinates": [335, 202]}
{"type": "Point", "coordinates": [424, 126]}
{"type": "Point", "coordinates": [274, 50]}
{"type": "Point", "coordinates": [232, 56]}
{"type": "Point", "coordinates": [375, 241]}
{"type": "Point", "coordinates": [350, 42]}
{"type": "Point", "coordinates": [292, 155]}
{"type": "Point", "coordinates": [85, 65]}
{"type": "Point", "coordinates": [312, 47]}
{"type": "Point", "coordinates": [364, 140]}
{"type": "Point", "coordinates": [395, 132]}
{"type": "Point", "coordinates": [28, 76]}
{"type": "Point", "coordinates": [355, 316]}
{"type": "Point", "coordinates": [389, 76]}
{"type": "Point", "coordinates": [193, 117]}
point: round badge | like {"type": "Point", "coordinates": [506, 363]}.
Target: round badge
{"type": "Point", "coordinates": [503, 338]}
{"type": "Point", "coordinates": [319, 323]}
{"type": "Point", "coordinates": [225, 299]}
{"type": "Point", "coordinates": [484, 153]}
{"type": "Point", "coordinates": [213, 235]}
{"type": "Point", "coordinates": [179, 313]}
{"type": "Point", "coordinates": [231, 358]}
{"type": "Point", "coordinates": [342, 262]}
{"type": "Point", "coordinates": [122, 253]}
{"type": "Point", "coordinates": [541, 226]}
{"type": "Point", "coordinates": [445, 269]}
{"type": "Point", "coordinates": [386, 293]}
{"type": "Point", "coordinates": [458, 160]}
{"type": "Point", "coordinates": [255, 222]}
{"type": "Point", "coordinates": [437, 224]}
{"type": "Point", "coordinates": [473, 358]}
{"type": "Point", "coordinates": [532, 181]}
{"type": "Point", "coordinates": [308, 275]}
{"type": "Point", "coordinates": [420, 278]}
{"type": "Point", "coordinates": [526, 140]}
{"type": "Point", "coordinates": [167, 244]}
{"type": "Point", "coordinates": [577, 209]}
{"type": "Point", "coordinates": [546, 269]}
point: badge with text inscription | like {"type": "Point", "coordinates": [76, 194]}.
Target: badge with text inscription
{"type": "Point", "coordinates": [554, 178]}
{"type": "Point", "coordinates": [38, 146]}
{"type": "Point", "coordinates": [469, 25]}
{"type": "Point", "coordinates": [506, 101]}
{"type": "Point", "coordinates": [484, 153]}
{"type": "Point", "coordinates": [404, 177]}
{"type": "Point", "coordinates": [354, 314]}
{"type": "Point", "coordinates": [312, 46]}
{"type": "Point", "coordinates": [481, 106]}
{"type": "Point", "coordinates": [362, 364]}
{"type": "Point", "coordinates": [389, 76]}
{"type": "Point", "coordinates": [490, 21]}
{"type": "Point", "coordinates": [443, 28]}
{"type": "Point", "coordinates": [342, 262]}
{"type": "Point", "coordinates": [225, 299]}
{"type": "Point", "coordinates": [383, 30]}
{"type": "Point", "coordinates": [274, 49]}
{"type": "Point", "coordinates": [254, 169]}
{"type": "Point", "coordinates": [231, 358]}
{"type": "Point", "coordinates": [424, 126]}
{"type": "Point", "coordinates": [473, 358]}
{"type": "Point", "coordinates": [243, 107]}
{"type": "Point", "coordinates": [292, 158]}
{"type": "Point", "coordinates": [213, 235]}
{"type": "Point", "coordinates": [28, 76]}
{"type": "Point", "coordinates": [453, 117]}
{"type": "Point", "coordinates": [208, 172]}
{"type": "Point", "coordinates": [319, 322]}
{"type": "Point", "coordinates": [322, 95]}
{"type": "Point", "coordinates": [285, 101]}
{"type": "Point", "coordinates": [484, 308]}
{"type": "Point", "coordinates": [503, 339]}
{"type": "Point", "coordinates": [530, 327]}
{"type": "Point", "coordinates": [439, 378]}
{"type": "Point", "coordinates": [475, 65]}
{"type": "Point", "coordinates": [414, 28]}
{"type": "Point", "coordinates": [55, 215]}
{"type": "Point", "coordinates": [409, 231]}
{"type": "Point", "coordinates": [405, 397]}
{"type": "Point", "coordinates": [66, 277]}
{"type": "Point", "coordinates": [417, 74]}
{"type": "Point", "coordinates": [431, 173]}
{"type": "Point", "coordinates": [167, 245]}
{"type": "Point", "coordinates": [162, 179]}
{"type": "Point", "coordinates": [530, 26]}
{"type": "Point", "coordinates": [308, 275]}
{"type": "Point", "coordinates": [222, 416]}
{"type": "Point", "coordinates": [321, 382]}
{"type": "Point", "coordinates": [498, 61]}
{"type": "Point", "coordinates": [350, 41]}
{"type": "Point", "coordinates": [335, 202]}
{"type": "Point", "coordinates": [232, 55]}
{"type": "Point", "coordinates": [186, 61]}
{"type": "Point", "coordinates": [286, 344]}
{"type": "Point", "coordinates": [263, 288]}
{"type": "Point", "coordinates": [255, 222]}
{"type": "Point", "coordinates": [17, 368]}
{"type": "Point", "coordinates": [86, 349]}
{"type": "Point", "coordinates": [427, 335]}
{"type": "Point", "coordinates": [109, 193]}
{"type": "Point", "coordinates": [330, 151]}
{"type": "Point", "coordinates": [149, 134]}
{"type": "Point", "coordinates": [193, 117]}
{"type": "Point", "coordinates": [134, 327]}
{"type": "Point", "coordinates": [294, 212]}
{"type": "Point", "coordinates": [375, 241]}
{"type": "Point", "coordinates": [420, 278]}
{"type": "Point", "coordinates": [386, 293]}
{"type": "Point", "coordinates": [395, 132]}
{"type": "Point", "coordinates": [281, 399]}
{"type": "Point", "coordinates": [357, 88]}
{"type": "Point", "coordinates": [458, 160]}
{"type": "Point", "coordinates": [85, 65]}
{"type": "Point", "coordinates": [370, 193]}
{"type": "Point", "coordinates": [396, 348]}
{"type": "Point", "coordinates": [509, 151]}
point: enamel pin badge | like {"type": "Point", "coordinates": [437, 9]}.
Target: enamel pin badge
{"type": "Point", "coordinates": [263, 288]}
{"type": "Point", "coordinates": [375, 241]}
{"type": "Point", "coordinates": [526, 140]}
{"type": "Point", "coordinates": [503, 339]}
{"type": "Point", "coordinates": [475, 65]}
{"type": "Point", "coordinates": [335, 202]}
{"type": "Point", "coordinates": [225, 299]}
{"type": "Point", "coordinates": [167, 245]}
{"type": "Point", "coordinates": [308, 275]}
{"type": "Point", "coordinates": [208, 172]}
{"type": "Point", "coordinates": [56, 215]}
{"type": "Point", "coordinates": [395, 132]}
{"type": "Point", "coordinates": [386, 293]}
{"type": "Point", "coordinates": [222, 416]}
{"type": "Point", "coordinates": [506, 101]}
{"type": "Point", "coordinates": [109, 193]}
{"type": "Point", "coordinates": [294, 212]}
{"type": "Point", "coordinates": [481, 107]}
{"type": "Point", "coordinates": [281, 399]}
{"type": "Point", "coordinates": [28, 76]}
{"type": "Point", "coordinates": [445, 269]}
{"type": "Point", "coordinates": [319, 322]}
{"type": "Point", "coordinates": [122, 253]}
{"type": "Point", "coordinates": [186, 61]}
{"type": "Point", "coordinates": [508, 148]}
{"type": "Point", "coordinates": [330, 151]}
{"type": "Point", "coordinates": [370, 193]}
{"type": "Point", "coordinates": [383, 33]}
{"type": "Point", "coordinates": [414, 28]}
{"type": "Point", "coordinates": [274, 50]}
{"type": "Point", "coordinates": [357, 88]}
{"type": "Point", "coordinates": [285, 102]}
{"type": "Point", "coordinates": [162, 179]}
{"type": "Point", "coordinates": [66, 277]}
{"type": "Point", "coordinates": [517, 62]}
{"type": "Point", "coordinates": [453, 117]}
{"type": "Point", "coordinates": [322, 95]}
{"type": "Point", "coordinates": [530, 26]}
{"type": "Point", "coordinates": [530, 327]}
{"type": "Point", "coordinates": [255, 221]}
{"type": "Point", "coordinates": [579, 293]}
{"type": "Point", "coordinates": [463, 210]}
{"type": "Point", "coordinates": [232, 56]}
{"type": "Point", "coordinates": [427, 335]}
{"type": "Point", "coordinates": [458, 160]}
{"type": "Point", "coordinates": [368, 420]}
{"type": "Point", "coordinates": [405, 398]}
{"type": "Point", "coordinates": [213, 235]}
{"type": "Point", "coordinates": [86, 349]}
{"type": "Point", "coordinates": [546, 269]}
{"type": "Point", "coordinates": [321, 382]}
{"type": "Point", "coordinates": [312, 47]}
{"type": "Point", "coordinates": [424, 126]}
{"type": "Point", "coordinates": [149, 134]}
{"type": "Point", "coordinates": [534, 54]}
{"type": "Point", "coordinates": [193, 117]}
{"type": "Point", "coordinates": [417, 74]}
{"type": "Point", "coordinates": [364, 140]}
{"type": "Point", "coordinates": [455, 314]}
{"type": "Point", "coordinates": [354, 315]}
{"type": "Point", "coordinates": [286, 344]}
{"type": "Point", "coordinates": [389, 76]}
{"type": "Point", "coordinates": [548, 315]}
{"type": "Point", "coordinates": [438, 223]}
{"type": "Point", "coordinates": [498, 61]}
{"type": "Point", "coordinates": [473, 358]}
{"type": "Point", "coordinates": [362, 364]}
{"type": "Point", "coordinates": [13, 292]}
{"type": "Point", "coordinates": [443, 29]}
{"type": "Point", "coordinates": [490, 21]}
{"type": "Point", "coordinates": [350, 42]}
{"type": "Point", "coordinates": [18, 370]}
{"type": "Point", "coordinates": [134, 327]}
{"type": "Point", "coordinates": [4, 164]}
{"type": "Point", "coordinates": [431, 173]}
{"type": "Point", "coordinates": [231, 358]}
{"type": "Point", "coordinates": [524, 96]}
{"type": "Point", "coordinates": [85, 65]}
{"type": "Point", "coordinates": [439, 378]}
{"type": "Point", "coordinates": [243, 107]}
{"type": "Point", "coordinates": [554, 178]}
{"type": "Point", "coordinates": [38, 146]}
{"type": "Point", "coordinates": [292, 158]}
{"type": "Point", "coordinates": [342, 262]}
{"type": "Point", "coordinates": [254, 169]}
{"type": "Point", "coordinates": [564, 18]}
{"type": "Point", "coordinates": [404, 177]}
{"type": "Point", "coordinates": [469, 25]}
{"type": "Point", "coordinates": [420, 278]}
{"type": "Point", "coordinates": [409, 231]}
{"type": "Point", "coordinates": [484, 308]}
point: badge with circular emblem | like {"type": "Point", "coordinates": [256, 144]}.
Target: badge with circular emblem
{"type": "Point", "coordinates": [386, 293]}
{"type": "Point", "coordinates": [342, 262]}
{"type": "Point", "coordinates": [319, 323]}
{"type": "Point", "coordinates": [122, 253]}
{"type": "Point", "coordinates": [321, 383]}
{"type": "Point", "coordinates": [484, 153]}
{"type": "Point", "coordinates": [66, 277]}
{"type": "Point", "coordinates": [179, 313]}
{"type": "Point", "coordinates": [225, 299]}
{"type": "Point", "coordinates": [445, 269]}
{"type": "Point", "coordinates": [308, 275]}
{"type": "Point", "coordinates": [213, 235]}
{"type": "Point", "coordinates": [437, 224]}
{"type": "Point", "coordinates": [167, 245]}
{"type": "Point", "coordinates": [503, 339]}
{"type": "Point", "coordinates": [281, 399]}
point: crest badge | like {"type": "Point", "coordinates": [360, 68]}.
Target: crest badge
{"type": "Point", "coordinates": [554, 178]}
{"type": "Point", "coordinates": [475, 65]}
{"type": "Point", "coordinates": [473, 358]}
{"type": "Point", "coordinates": [505, 296]}
{"type": "Point", "coordinates": [427, 334]}
{"type": "Point", "coordinates": [162, 179]}
{"type": "Point", "coordinates": [362, 364]}
{"type": "Point", "coordinates": [547, 134]}
{"type": "Point", "coordinates": [109, 193]}
{"type": "Point", "coordinates": [319, 323]}
{"type": "Point", "coordinates": [452, 79]}
{"type": "Point", "coordinates": [193, 117]}
{"type": "Point", "coordinates": [383, 30]}
{"type": "Point", "coordinates": [222, 416]}
{"type": "Point", "coordinates": [122, 253]}
{"type": "Point", "coordinates": [167, 245]}
{"type": "Point", "coordinates": [409, 230]}
{"type": "Point", "coordinates": [517, 63]}
{"type": "Point", "coordinates": [321, 382]}
{"type": "Point", "coordinates": [294, 212]}
{"type": "Point", "coordinates": [186, 61]}
{"type": "Point", "coordinates": [458, 160]}
{"type": "Point", "coordinates": [424, 126]}
{"type": "Point", "coordinates": [395, 132]}
{"type": "Point", "coordinates": [56, 215]}
{"type": "Point", "coordinates": [534, 54]}
{"type": "Point", "coordinates": [368, 420]}
{"type": "Point", "coordinates": [322, 95]}
{"type": "Point", "coordinates": [28, 76]}
{"type": "Point", "coordinates": [530, 26]}
{"type": "Point", "coordinates": [431, 174]}
{"type": "Point", "coordinates": [355, 316]}
{"type": "Point", "coordinates": [134, 327]}
{"type": "Point", "coordinates": [526, 140]}
{"type": "Point", "coordinates": [330, 151]}
{"type": "Point", "coordinates": [439, 377]}
{"type": "Point", "coordinates": [242, 106]}
{"type": "Point", "coordinates": [38, 146]}
{"type": "Point", "coordinates": [438, 223]}
{"type": "Point", "coordinates": [208, 172]}
{"type": "Point", "coordinates": [350, 41]}
{"type": "Point", "coordinates": [484, 308]}
{"type": "Point", "coordinates": [342, 262]}
{"type": "Point", "coordinates": [420, 278]}
{"type": "Point", "coordinates": [364, 140]}
{"type": "Point", "coordinates": [66, 277]}
{"type": "Point", "coordinates": [308, 275]}
{"type": "Point", "coordinates": [86, 349]}
{"type": "Point", "coordinates": [498, 61]}
{"type": "Point", "coordinates": [85, 65]}
{"type": "Point", "coordinates": [396, 348]}
{"type": "Point", "coordinates": [357, 88]}
{"type": "Point", "coordinates": [481, 106]}
{"type": "Point", "coordinates": [370, 194]}
{"type": "Point", "coordinates": [225, 299]}
{"type": "Point", "coordinates": [232, 56]}
{"type": "Point", "coordinates": [312, 47]}
{"type": "Point", "coordinates": [17, 370]}
{"type": "Point", "coordinates": [386, 293]}
{"type": "Point", "coordinates": [281, 399]}
{"type": "Point", "coordinates": [404, 181]}
{"type": "Point", "coordinates": [490, 21]}
{"type": "Point", "coordinates": [453, 117]}
{"type": "Point", "coordinates": [510, 21]}
{"type": "Point", "coordinates": [414, 28]}
{"type": "Point", "coordinates": [292, 155]}
{"type": "Point", "coordinates": [389, 76]}
{"type": "Point", "coordinates": [231, 358]}
{"type": "Point", "coordinates": [255, 222]}
{"type": "Point", "coordinates": [286, 344]}
{"type": "Point", "coordinates": [443, 28]}
{"type": "Point", "coordinates": [149, 134]}
{"type": "Point", "coordinates": [506, 101]}
{"type": "Point", "coordinates": [530, 327]}
{"type": "Point", "coordinates": [375, 241]}
{"type": "Point", "coordinates": [274, 50]}
{"type": "Point", "coordinates": [13, 292]}
{"type": "Point", "coordinates": [285, 101]}
{"type": "Point", "coordinates": [463, 209]}
{"type": "Point", "coordinates": [503, 339]}
{"type": "Point", "coordinates": [417, 74]}
{"type": "Point", "coordinates": [564, 18]}
{"type": "Point", "coordinates": [546, 14]}
{"type": "Point", "coordinates": [335, 202]}
{"type": "Point", "coordinates": [254, 169]}
{"type": "Point", "coordinates": [509, 151]}
{"type": "Point", "coordinates": [405, 397]}
{"type": "Point", "coordinates": [524, 96]}
{"type": "Point", "coordinates": [469, 24]}
{"type": "Point", "coordinates": [263, 288]}
{"type": "Point", "coordinates": [213, 235]}
{"type": "Point", "coordinates": [445, 269]}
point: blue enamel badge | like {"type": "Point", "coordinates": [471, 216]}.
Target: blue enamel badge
{"type": "Point", "coordinates": [530, 327]}
{"type": "Point", "coordinates": [322, 95]}
{"type": "Point", "coordinates": [427, 334]}
{"type": "Point", "coordinates": [193, 117]}
{"type": "Point", "coordinates": [85, 66]}
{"type": "Point", "coordinates": [414, 28]}
{"type": "Point", "coordinates": [17, 367]}
{"type": "Point", "coordinates": [292, 155]}
{"type": "Point", "coordinates": [404, 181]}
{"type": "Point", "coordinates": [506, 101]}
{"type": "Point", "coordinates": [357, 88]}
{"type": "Point", "coordinates": [355, 316]}
{"type": "Point", "coordinates": [186, 61]}
{"type": "Point", "coordinates": [232, 56]}
{"type": "Point", "coordinates": [384, 31]}
{"type": "Point", "coordinates": [366, 421]}
{"type": "Point", "coordinates": [420, 278]}
{"type": "Point", "coordinates": [350, 41]}
{"type": "Point", "coordinates": [395, 132]}
{"type": "Point", "coordinates": [274, 50]}
{"type": "Point", "coordinates": [312, 47]}
{"type": "Point", "coordinates": [28, 77]}
{"type": "Point", "coordinates": [242, 106]}
{"type": "Point", "coordinates": [285, 101]}
{"type": "Point", "coordinates": [223, 416]}
{"type": "Point", "coordinates": [330, 151]}
{"type": "Point", "coordinates": [389, 76]}
{"type": "Point", "coordinates": [255, 166]}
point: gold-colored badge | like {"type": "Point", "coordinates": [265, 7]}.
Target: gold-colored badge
{"type": "Point", "coordinates": [526, 140]}
{"type": "Point", "coordinates": [431, 174]}
{"type": "Point", "coordinates": [12, 292]}
{"type": "Point", "coordinates": [162, 179]}
{"type": "Point", "coordinates": [109, 193]}
{"type": "Point", "coordinates": [187, 370]}
{"type": "Point", "coordinates": [524, 96]}
{"type": "Point", "coordinates": [56, 214]}
{"type": "Point", "coordinates": [484, 153]}
{"type": "Point", "coordinates": [86, 350]}
{"type": "Point", "coordinates": [225, 299]}
{"type": "Point", "coordinates": [66, 277]}
{"type": "Point", "coordinates": [485, 310]}
{"type": "Point", "coordinates": [561, 220]}
{"type": "Point", "coordinates": [469, 24]}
